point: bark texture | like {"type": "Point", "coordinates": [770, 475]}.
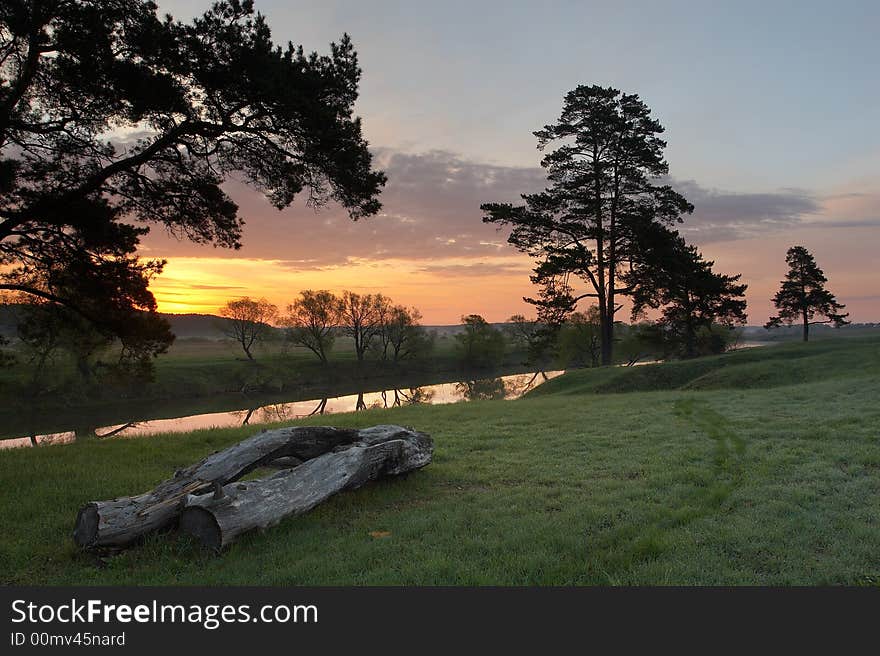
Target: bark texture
{"type": "Point", "coordinates": [118, 523]}
{"type": "Point", "coordinates": [218, 519]}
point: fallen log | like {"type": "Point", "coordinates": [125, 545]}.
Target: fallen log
{"type": "Point", "coordinates": [119, 522]}
{"type": "Point", "coordinates": [219, 518]}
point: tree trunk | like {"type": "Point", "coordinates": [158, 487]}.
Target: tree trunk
{"type": "Point", "coordinates": [806, 326]}
{"type": "Point", "coordinates": [690, 341]}
{"type": "Point", "coordinates": [120, 522]}
{"type": "Point", "coordinates": [607, 339]}
{"type": "Point", "coordinates": [218, 519]}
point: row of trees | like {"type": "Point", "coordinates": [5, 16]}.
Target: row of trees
{"type": "Point", "coordinates": [375, 324]}
{"type": "Point", "coordinates": [603, 229]}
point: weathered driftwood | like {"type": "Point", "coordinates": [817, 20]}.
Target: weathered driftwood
{"type": "Point", "coordinates": [217, 519]}
{"type": "Point", "coordinates": [120, 522]}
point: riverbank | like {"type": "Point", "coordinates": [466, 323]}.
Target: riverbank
{"type": "Point", "coordinates": [163, 419]}
{"type": "Point", "coordinates": [761, 467]}
{"type": "Point", "coordinates": [208, 376]}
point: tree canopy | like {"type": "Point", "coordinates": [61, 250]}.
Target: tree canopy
{"type": "Point", "coordinates": [605, 193]}
{"type": "Point", "coordinates": [248, 322]}
{"type": "Point", "coordinates": [802, 295]}
{"type": "Point", "coordinates": [113, 119]}
{"type": "Point", "coordinates": [311, 321]}
{"type": "Point", "coordinates": [480, 345]}
{"type": "Point", "coordinates": [691, 296]}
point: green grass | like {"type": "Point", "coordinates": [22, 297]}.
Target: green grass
{"type": "Point", "coordinates": [758, 467]}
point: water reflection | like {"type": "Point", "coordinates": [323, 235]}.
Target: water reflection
{"type": "Point", "coordinates": [504, 387]}
{"type": "Point", "coordinates": [487, 389]}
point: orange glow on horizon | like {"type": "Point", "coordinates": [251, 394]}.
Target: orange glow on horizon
{"type": "Point", "coordinates": [202, 285]}
{"type": "Point", "coordinates": [445, 289]}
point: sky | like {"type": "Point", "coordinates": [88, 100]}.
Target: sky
{"type": "Point", "coordinates": [770, 110]}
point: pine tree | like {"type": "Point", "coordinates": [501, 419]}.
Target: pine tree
{"type": "Point", "coordinates": [604, 192]}
{"type": "Point", "coordinates": [803, 295]}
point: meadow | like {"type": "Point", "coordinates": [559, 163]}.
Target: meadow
{"type": "Point", "coordinates": [755, 467]}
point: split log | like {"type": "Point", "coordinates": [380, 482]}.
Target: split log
{"type": "Point", "coordinates": [218, 519]}
{"type": "Point", "coordinates": [120, 522]}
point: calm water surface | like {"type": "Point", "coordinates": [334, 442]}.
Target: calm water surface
{"type": "Point", "coordinates": [504, 387]}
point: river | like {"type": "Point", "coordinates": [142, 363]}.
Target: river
{"type": "Point", "coordinates": [503, 387]}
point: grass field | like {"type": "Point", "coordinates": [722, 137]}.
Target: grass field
{"type": "Point", "coordinates": [757, 467]}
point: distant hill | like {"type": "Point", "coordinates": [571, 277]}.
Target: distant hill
{"type": "Point", "coordinates": [185, 326]}
{"type": "Point", "coordinates": [201, 326]}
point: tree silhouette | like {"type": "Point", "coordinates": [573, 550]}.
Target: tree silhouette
{"type": "Point", "coordinates": [312, 320]}
{"type": "Point", "coordinates": [248, 321]}
{"type": "Point", "coordinates": [580, 341]}
{"type": "Point", "coordinates": [601, 197]}
{"type": "Point", "coordinates": [361, 318]}
{"type": "Point", "coordinates": [803, 296]}
{"type": "Point", "coordinates": [480, 344]}
{"type": "Point", "coordinates": [203, 100]}
{"type": "Point", "coordinates": [537, 338]}
{"type": "Point", "coordinates": [692, 297]}
{"type": "Point", "coordinates": [401, 335]}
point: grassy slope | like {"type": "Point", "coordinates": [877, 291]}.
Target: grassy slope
{"type": "Point", "coordinates": [760, 467]}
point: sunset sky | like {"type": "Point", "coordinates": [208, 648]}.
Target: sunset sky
{"type": "Point", "coordinates": [770, 111]}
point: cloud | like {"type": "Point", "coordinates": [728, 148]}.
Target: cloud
{"type": "Point", "coordinates": [850, 210]}
{"type": "Point", "coordinates": [431, 211]}
{"type": "Point", "coordinates": [214, 287]}
{"type": "Point", "coordinates": [725, 216]}
{"type": "Point", "coordinates": [477, 270]}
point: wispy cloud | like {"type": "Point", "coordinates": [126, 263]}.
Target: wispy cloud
{"type": "Point", "coordinates": [431, 210]}
{"type": "Point", "coordinates": [476, 270]}
{"type": "Point", "coordinates": [723, 216]}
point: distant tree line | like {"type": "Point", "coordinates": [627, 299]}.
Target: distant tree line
{"type": "Point", "coordinates": [378, 328]}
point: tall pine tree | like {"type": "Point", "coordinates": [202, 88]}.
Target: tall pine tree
{"type": "Point", "coordinates": [803, 296]}
{"type": "Point", "coordinates": [603, 194]}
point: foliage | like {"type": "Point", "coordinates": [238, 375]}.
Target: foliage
{"type": "Point", "coordinates": [691, 296]}
{"type": "Point", "coordinates": [480, 345]}
{"type": "Point", "coordinates": [603, 199]}
{"type": "Point", "coordinates": [47, 330]}
{"type": "Point", "coordinates": [249, 321]}
{"type": "Point", "coordinates": [361, 318]}
{"type": "Point", "coordinates": [401, 335]}
{"type": "Point", "coordinates": [803, 295]}
{"type": "Point", "coordinates": [203, 100]}
{"type": "Point", "coordinates": [535, 337]}
{"type": "Point", "coordinates": [640, 341]}
{"type": "Point", "coordinates": [580, 339]}
{"type": "Point", "coordinates": [311, 321]}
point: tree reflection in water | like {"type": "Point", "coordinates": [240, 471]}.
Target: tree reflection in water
{"type": "Point", "coordinates": [486, 389]}
{"type": "Point", "coordinates": [268, 414]}
{"type": "Point", "coordinates": [516, 389]}
{"type": "Point", "coordinates": [400, 398]}
{"type": "Point", "coordinates": [511, 386]}
{"type": "Point", "coordinates": [320, 408]}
